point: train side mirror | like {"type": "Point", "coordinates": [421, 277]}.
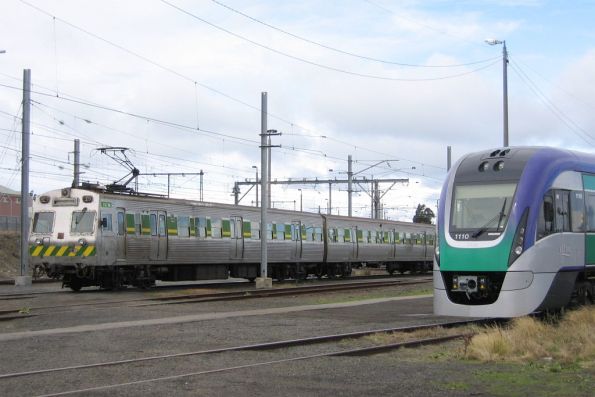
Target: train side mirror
{"type": "Point", "coordinates": [103, 223]}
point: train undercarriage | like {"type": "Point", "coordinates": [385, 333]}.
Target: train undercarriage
{"type": "Point", "coordinates": [78, 276]}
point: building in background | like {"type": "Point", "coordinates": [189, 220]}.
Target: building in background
{"type": "Point", "coordinates": [10, 209]}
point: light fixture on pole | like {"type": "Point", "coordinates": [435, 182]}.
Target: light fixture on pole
{"type": "Point", "coordinates": [505, 84]}
{"type": "Point", "coordinates": [255, 167]}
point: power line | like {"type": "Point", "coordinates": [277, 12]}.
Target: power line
{"type": "Point", "coordinates": [320, 65]}
{"type": "Point", "coordinates": [574, 127]}
{"type": "Point", "coordinates": [169, 70]}
{"type": "Point", "coordinates": [352, 54]}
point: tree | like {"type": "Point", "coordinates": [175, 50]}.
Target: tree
{"type": "Point", "coordinates": [423, 214]}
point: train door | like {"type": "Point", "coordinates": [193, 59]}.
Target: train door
{"type": "Point", "coordinates": [237, 237]}
{"type": "Point", "coordinates": [393, 244]}
{"type": "Point", "coordinates": [296, 238]}
{"type": "Point", "coordinates": [120, 234]}
{"type": "Point", "coordinates": [354, 243]}
{"type": "Point", "coordinates": [562, 225]}
{"type": "Point", "coordinates": [158, 221]}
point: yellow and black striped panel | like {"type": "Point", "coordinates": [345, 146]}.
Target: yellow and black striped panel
{"type": "Point", "coordinates": [62, 250]}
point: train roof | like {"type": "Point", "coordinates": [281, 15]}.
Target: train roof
{"type": "Point", "coordinates": [515, 159]}
{"type": "Point", "coordinates": [146, 197]}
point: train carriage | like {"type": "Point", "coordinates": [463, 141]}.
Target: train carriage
{"type": "Point", "coordinates": [516, 229]}
{"type": "Point", "coordinates": [91, 237]}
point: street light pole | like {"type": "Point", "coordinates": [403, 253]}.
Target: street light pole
{"type": "Point", "coordinates": [505, 85]}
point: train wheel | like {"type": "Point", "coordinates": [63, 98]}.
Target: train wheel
{"type": "Point", "coordinates": [346, 270]}
{"type": "Point", "coordinates": [75, 284]}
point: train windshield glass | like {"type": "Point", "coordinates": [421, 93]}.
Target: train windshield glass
{"type": "Point", "coordinates": [481, 207]}
{"type": "Point", "coordinates": [43, 222]}
{"type": "Point", "coordinates": [82, 221]}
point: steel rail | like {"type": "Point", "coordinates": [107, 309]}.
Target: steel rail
{"type": "Point", "coordinates": [257, 346]}
{"type": "Point", "coordinates": [223, 296]}
{"type": "Point", "coordinates": [352, 352]}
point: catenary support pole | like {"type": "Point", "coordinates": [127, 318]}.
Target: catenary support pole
{"type": "Point", "coordinates": [24, 279]}
{"type": "Point", "coordinates": [77, 163]}
{"type": "Point", "coordinates": [264, 281]}
{"type": "Point", "coordinates": [448, 158]}
{"type": "Point", "coordinates": [349, 185]}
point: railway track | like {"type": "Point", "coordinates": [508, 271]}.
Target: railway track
{"type": "Point", "coordinates": [187, 298]}
{"type": "Point", "coordinates": [284, 348]}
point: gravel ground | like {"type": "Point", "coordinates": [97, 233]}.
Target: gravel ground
{"type": "Point", "coordinates": [429, 371]}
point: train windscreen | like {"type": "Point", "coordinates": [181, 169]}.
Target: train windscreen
{"type": "Point", "coordinates": [82, 222]}
{"type": "Point", "coordinates": [481, 207]}
{"type": "Point", "coordinates": [43, 222]}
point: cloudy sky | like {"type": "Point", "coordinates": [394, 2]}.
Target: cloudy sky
{"type": "Point", "coordinates": [179, 83]}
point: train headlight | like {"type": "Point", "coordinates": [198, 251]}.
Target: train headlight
{"type": "Point", "coordinates": [38, 241]}
{"type": "Point", "coordinates": [519, 238]}
{"type": "Point", "coordinates": [455, 282]}
{"type": "Point", "coordinates": [82, 241]}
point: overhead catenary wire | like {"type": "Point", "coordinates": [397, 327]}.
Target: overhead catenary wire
{"type": "Point", "coordinates": [174, 72]}
{"type": "Point", "coordinates": [556, 111]}
{"type": "Point", "coordinates": [323, 66]}
{"type": "Point", "coordinates": [348, 53]}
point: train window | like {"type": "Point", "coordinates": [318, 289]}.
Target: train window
{"type": "Point", "coordinates": [340, 234]}
{"type": "Point", "coordinates": [287, 232]}
{"type": "Point", "coordinates": [271, 231]}
{"type": "Point", "coordinates": [215, 228]}
{"type": "Point", "coordinates": [130, 225]}
{"type": "Point", "coordinates": [121, 228]}
{"type": "Point", "coordinates": [347, 235]}
{"type": "Point", "coordinates": [295, 232]}
{"type": "Point", "coordinates": [359, 234]}
{"type": "Point", "coordinates": [397, 238]}
{"type": "Point", "coordinates": [209, 227]}
{"type": "Point", "coordinates": [332, 235]}
{"type": "Point", "coordinates": [309, 233]}
{"type": "Point", "coordinates": [225, 228]}
{"type": "Point", "coordinates": [407, 238]}
{"type": "Point", "coordinates": [192, 227]}
{"type": "Point", "coordinates": [184, 226]}
{"type": "Point", "coordinates": [545, 221]}
{"type": "Point", "coordinates": [106, 222]}
{"type": "Point", "coordinates": [201, 226]}
{"type": "Point", "coordinates": [577, 211]}
{"type": "Point", "coordinates": [590, 206]}
{"type": "Point", "coordinates": [279, 231]}
{"type": "Point", "coordinates": [562, 223]}
{"type": "Point", "coordinates": [153, 224]}
{"type": "Point", "coordinates": [82, 221]}
{"type": "Point", "coordinates": [318, 233]}
{"type": "Point", "coordinates": [162, 225]}
{"type": "Point", "coordinates": [372, 237]}
{"type": "Point", "coordinates": [304, 232]}
{"type": "Point", "coordinates": [43, 222]}
{"type": "Point", "coordinates": [255, 231]}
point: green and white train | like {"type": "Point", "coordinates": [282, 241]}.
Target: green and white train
{"type": "Point", "coordinates": [516, 233]}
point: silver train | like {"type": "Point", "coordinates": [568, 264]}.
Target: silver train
{"type": "Point", "coordinates": [89, 237]}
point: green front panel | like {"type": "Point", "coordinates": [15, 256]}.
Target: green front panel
{"type": "Point", "coordinates": [590, 249]}
{"type": "Point", "coordinates": [492, 259]}
{"type": "Point", "coordinates": [589, 182]}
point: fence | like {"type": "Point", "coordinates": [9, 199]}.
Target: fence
{"type": "Point", "coordinates": [10, 224]}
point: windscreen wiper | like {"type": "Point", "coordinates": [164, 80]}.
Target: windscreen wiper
{"type": "Point", "coordinates": [499, 216]}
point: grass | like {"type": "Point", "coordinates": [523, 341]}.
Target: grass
{"type": "Point", "coordinates": [564, 341]}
